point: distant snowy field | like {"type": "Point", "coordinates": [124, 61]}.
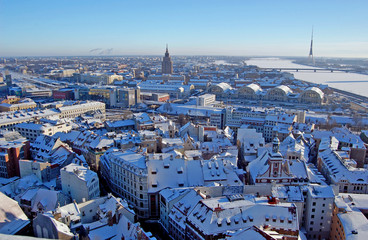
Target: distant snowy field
{"type": "Point", "coordinates": [223, 62]}
{"type": "Point", "coordinates": [351, 82]}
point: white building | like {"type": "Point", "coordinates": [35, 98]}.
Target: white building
{"type": "Point", "coordinates": [168, 198]}
{"type": "Point", "coordinates": [139, 177]}
{"type": "Point", "coordinates": [213, 218]}
{"type": "Point", "coordinates": [318, 211]}
{"type": "Point", "coordinates": [295, 148]}
{"type": "Point", "coordinates": [180, 211]}
{"type": "Point", "coordinates": [254, 117]}
{"type": "Point", "coordinates": [174, 89]}
{"type": "Point", "coordinates": [32, 130]}
{"type": "Point", "coordinates": [127, 174]}
{"type": "Point", "coordinates": [249, 141]}
{"type": "Point", "coordinates": [40, 169]}
{"type": "Point", "coordinates": [102, 218]}
{"type": "Point", "coordinates": [79, 182]}
{"type": "Point", "coordinates": [271, 166]}
{"type": "Point", "coordinates": [338, 168]}
{"type": "Point", "coordinates": [206, 99]}
{"type": "Point", "coordinates": [79, 109]}
{"type": "Point", "coordinates": [9, 120]}
{"type": "Point", "coordinates": [104, 78]}
{"type": "Point", "coordinates": [271, 121]}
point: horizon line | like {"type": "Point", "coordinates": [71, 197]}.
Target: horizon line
{"type": "Point", "coordinates": [179, 55]}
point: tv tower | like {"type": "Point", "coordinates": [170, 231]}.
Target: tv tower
{"type": "Point", "coordinates": [310, 57]}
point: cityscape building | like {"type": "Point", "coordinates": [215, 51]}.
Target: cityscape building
{"type": "Point", "coordinates": [221, 149]}
{"type": "Point", "coordinates": [167, 64]}
{"type": "Point", "coordinates": [80, 183]}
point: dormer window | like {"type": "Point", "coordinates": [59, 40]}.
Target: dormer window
{"type": "Point", "coordinates": [219, 222]}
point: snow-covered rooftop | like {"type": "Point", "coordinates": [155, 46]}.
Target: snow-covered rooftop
{"type": "Point", "coordinates": [12, 218]}
{"type": "Point", "coordinates": [81, 172]}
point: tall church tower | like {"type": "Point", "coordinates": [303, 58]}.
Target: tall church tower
{"type": "Point", "coordinates": [167, 64]}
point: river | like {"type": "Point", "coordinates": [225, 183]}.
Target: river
{"type": "Point", "coordinates": [351, 82]}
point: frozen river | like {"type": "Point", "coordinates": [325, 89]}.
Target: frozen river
{"type": "Point", "coordinates": [351, 82]}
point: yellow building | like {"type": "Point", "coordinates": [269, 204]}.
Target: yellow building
{"type": "Point", "coordinates": [24, 104]}
{"type": "Point", "coordinates": [11, 99]}
{"type": "Point", "coordinates": [349, 217]}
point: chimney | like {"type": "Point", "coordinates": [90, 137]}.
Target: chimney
{"type": "Point", "coordinates": [110, 220]}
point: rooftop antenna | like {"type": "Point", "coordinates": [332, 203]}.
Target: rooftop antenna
{"type": "Point", "coordinates": [310, 57]}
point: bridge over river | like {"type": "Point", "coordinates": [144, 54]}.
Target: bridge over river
{"type": "Point", "coordinates": [308, 69]}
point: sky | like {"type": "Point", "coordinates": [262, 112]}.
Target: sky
{"type": "Point", "coordinates": [190, 27]}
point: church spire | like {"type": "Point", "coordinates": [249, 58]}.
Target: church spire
{"type": "Point", "coordinates": [167, 64]}
{"type": "Point", "coordinates": [275, 145]}
{"type": "Point", "coordinates": [167, 50]}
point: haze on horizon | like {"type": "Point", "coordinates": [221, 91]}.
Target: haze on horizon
{"type": "Point", "coordinates": [233, 28]}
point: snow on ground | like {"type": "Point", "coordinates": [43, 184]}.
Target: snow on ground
{"type": "Point", "coordinates": [223, 62]}
{"type": "Point", "coordinates": [274, 63]}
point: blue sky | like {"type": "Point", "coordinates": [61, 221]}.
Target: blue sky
{"type": "Point", "coordinates": [190, 27]}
